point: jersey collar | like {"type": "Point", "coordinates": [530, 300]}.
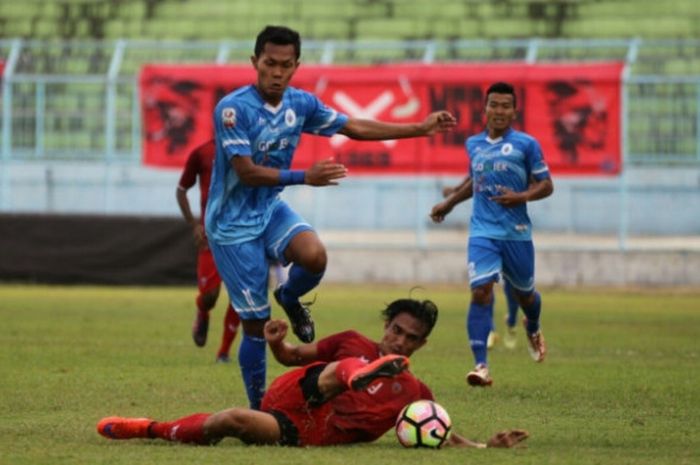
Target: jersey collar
{"type": "Point", "coordinates": [497, 139]}
{"type": "Point", "coordinates": [272, 109]}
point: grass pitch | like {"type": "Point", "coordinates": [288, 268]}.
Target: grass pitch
{"type": "Point", "coordinates": [621, 383]}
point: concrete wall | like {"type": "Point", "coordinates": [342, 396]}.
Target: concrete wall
{"type": "Point", "coordinates": [554, 268]}
{"type": "Point", "coordinates": [377, 229]}
{"type": "Point", "coordinates": [657, 201]}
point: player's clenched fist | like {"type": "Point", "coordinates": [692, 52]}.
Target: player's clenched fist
{"type": "Point", "coordinates": [275, 331]}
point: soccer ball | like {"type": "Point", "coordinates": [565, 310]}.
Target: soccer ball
{"type": "Point", "coordinates": [423, 423]}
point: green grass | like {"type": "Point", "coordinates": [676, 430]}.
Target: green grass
{"type": "Point", "coordinates": [621, 383]}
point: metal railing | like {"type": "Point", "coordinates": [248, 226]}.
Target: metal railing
{"type": "Point", "coordinates": [77, 102]}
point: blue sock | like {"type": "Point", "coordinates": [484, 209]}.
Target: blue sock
{"type": "Point", "coordinates": [532, 313]}
{"type": "Point", "coordinates": [512, 303]}
{"type": "Point", "coordinates": [251, 358]}
{"type": "Point", "coordinates": [479, 320]}
{"type": "Point", "coordinates": [299, 283]}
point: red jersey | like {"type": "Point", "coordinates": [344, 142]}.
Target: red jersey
{"type": "Point", "coordinates": [199, 165]}
{"type": "Point", "coordinates": [353, 416]}
{"type": "Point", "coordinates": [361, 416]}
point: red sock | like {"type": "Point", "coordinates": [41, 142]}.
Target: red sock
{"type": "Point", "coordinates": [186, 429]}
{"type": "Point", "coordinates": [200, 305]}
{"type": "Point", "coordinates": [231, 322]}
{"type": "Point", "coordinates": [346, 368]}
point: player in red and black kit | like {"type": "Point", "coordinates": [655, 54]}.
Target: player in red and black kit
{"type": "Point", "coordinates": [199, 166]}
{"type": "Point", "coordinates": [349, 389]}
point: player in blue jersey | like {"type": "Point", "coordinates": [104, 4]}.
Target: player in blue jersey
{"type": "Point", "coordinates": [258, 127]}
{"type": "Point", "coordinates": [512, 305]}
{"type": "Point", "coordinates": [506, 171]}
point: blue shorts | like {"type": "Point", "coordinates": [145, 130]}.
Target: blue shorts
{"type": "Point", "coordinates": [490, 257]}
{"type": "Point", "coordinates": [245, 267]}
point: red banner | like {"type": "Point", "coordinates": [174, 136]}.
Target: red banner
{"type": "Point", "coordinates": [572, 109]}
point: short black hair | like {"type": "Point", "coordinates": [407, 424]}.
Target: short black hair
{"type": "Point", "coordinates": [425, 311]}
{"type": "Point", "coordinates": [502, 88]}
{"type": "Point", "coordinates": [278, 35]}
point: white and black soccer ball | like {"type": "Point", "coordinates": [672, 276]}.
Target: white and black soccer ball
{"type": "Point", "coordinates": [423, 423]}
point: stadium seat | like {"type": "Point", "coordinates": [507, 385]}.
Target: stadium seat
{"type": "Point", "coordinates": [351, 18]}
{"type": "Point", "coordinates": [394, 29]}
{"type": "Point", "coordinates": [21, 29]}
{"type": "Point", "coordinates": [434, 10]}
{"type": "Point", "coordinates": [319, 10]}
{"type": "Point", "coordinates": [131, 10]}
{"type": "Point", "coordinates": [682, 66]}
{"type": "Point", "coordinates": [367, 54]}
{"type": "Point", "coordinates": [337, 29]}
{"type": "Point", "coordinates": [455, 28]}
{"type": "Point", "coordinates": [499, 28]}
{"type": "Point", "coordinates": [480, 10]}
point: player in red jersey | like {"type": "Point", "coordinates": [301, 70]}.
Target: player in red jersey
{"type": "Point", "coordinates": [349, 389]}
{"type": "Point", "coordinates": [199, 165]}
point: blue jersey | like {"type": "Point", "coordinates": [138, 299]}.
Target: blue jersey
{"type": "Point", "coordinates": [508, 161]}
{"type": "Point", "coordinates": [247, 126]}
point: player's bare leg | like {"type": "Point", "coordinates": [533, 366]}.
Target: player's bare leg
{"type": "Point", "coordinates": [250, 426]}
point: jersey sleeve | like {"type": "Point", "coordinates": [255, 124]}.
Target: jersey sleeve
{"type": "Point", "coordinates": [232, 128]}
{"type": "Point", "coordinates": [321, 119]}
{"type": "Point", "coordinates": [188, 178]}
{"type": "Point", "coordinates": [535, 160]}
{"type": "Point", "coordinates": [425, 392]}
{"type": "Point", "coordinates": [468, 147]}
{"type": "Point", "coordinates": [328, 347]}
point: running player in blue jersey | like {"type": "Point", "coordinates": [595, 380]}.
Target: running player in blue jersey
{"type": "Point", "coordinates": [512, 305]}
{"type": "Point", "coordinates": [258, 127]}
{"type": "Point", "coordinates": [506, 171]}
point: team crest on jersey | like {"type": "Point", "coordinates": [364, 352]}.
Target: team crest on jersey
{"type": "Point", "coordinates": [290, 118]}
{"type": "Point", "coordinates": [507, 149]}
{"type": "Point", "coordinates": [228, 117]}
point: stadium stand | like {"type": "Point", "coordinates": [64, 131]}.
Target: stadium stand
{"type": "Point", "coordinates": [349, 19]}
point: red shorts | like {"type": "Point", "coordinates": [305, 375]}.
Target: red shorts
{"type": "Point", "coordinates": [314, 424]}
{"type": "Point", "coordinates": [208, 278]}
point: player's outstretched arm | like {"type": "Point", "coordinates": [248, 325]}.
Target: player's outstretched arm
{"type": "Point", "coordinates": [365, 129]}
{"type": "Point", "coordinates": [503, 439]}
{"type": "Point", "coordinates": [323, 173]}
{"type": "Point", "coordinates": [286, 353]}
{"type": "Point", "coordinates": [455, 440]}
{"type": "Point", "coordinates": [508, 438]}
